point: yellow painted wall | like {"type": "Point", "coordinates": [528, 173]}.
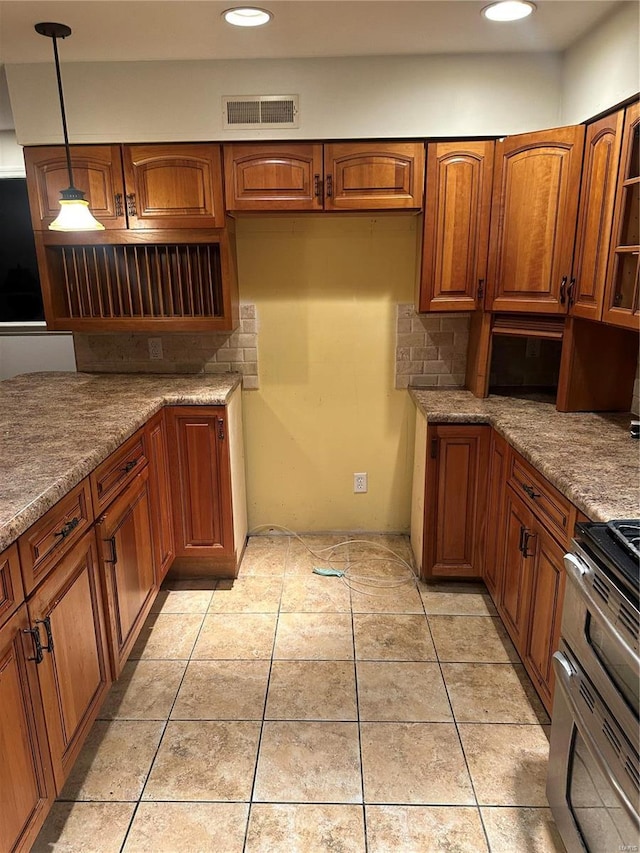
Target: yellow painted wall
{"type": "Point", "coordinates": [326, 289]}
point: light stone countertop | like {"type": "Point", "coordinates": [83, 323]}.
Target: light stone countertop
{"type": "Point", "coordinates": [589, 457]}
{"type": "Point", "coordinates": [55, 428]}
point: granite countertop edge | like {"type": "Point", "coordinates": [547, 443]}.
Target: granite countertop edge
{"type": "Point", "coordinates": [155, 399]}
{"type": "Point", "coordinates": [442, 406]}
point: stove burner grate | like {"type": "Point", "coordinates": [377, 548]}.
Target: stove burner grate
{"type": "Point", "coordinates": [627, 533]}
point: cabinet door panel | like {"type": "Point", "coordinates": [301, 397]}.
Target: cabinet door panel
{"type": "Point", "coordinates": [498, 458]}
{"type": "Point", "coordinates": [547, 593]}
{"type": "Point", "coordinates": [535, 199]}
{"type": "Point", "coordinates": [456, 480]}
{"type": "Point", "coordinates": [373, 176]}
{"type": "Point", "coordinates": [174, 186]}
{"type": "Point", "coordinates": [11, 590]}
{"type": "Point", "coordinates": [160, 494]}
{"type": "Point", "coordinates": [456, 225]}
{"type": "Point", "coordinates": [74, 674]}
{"type": "Point", "coordinates": [513, 604]}
{"type": "Point", "coordinates": [280, 176]}
{"type": "Point", "coordinates": [597, 196]}
{"type": "Point", "coordinates": [127, 556]}
{"type": "Point", "coordinates": [26, 781]}
{"type": "Point", "coordinates": [97, 171]}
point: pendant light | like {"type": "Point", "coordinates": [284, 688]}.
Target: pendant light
{"type": "Point", "coordinates": [74, 209]}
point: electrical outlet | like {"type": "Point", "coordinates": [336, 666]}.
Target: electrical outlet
{"type": "Point", "coordinates": [359, 483]}
{"type": "Point", "coordinates": [155, 348]}
{"type": "Point", "coordinates": [533, 348]}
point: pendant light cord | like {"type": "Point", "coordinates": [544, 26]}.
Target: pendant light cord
{"type": "Point", "coordinates": [62, 110]}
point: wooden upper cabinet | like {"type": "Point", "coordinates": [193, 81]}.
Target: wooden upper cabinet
{"type": "Point", "coordinates": [373, 175]}
{"type": "Point", "coordinates": [597, 197]}
{"type": "Point", "coordinates": [533, 220]}
{"type": "Point", "coordinates": [173, 186]}
{"type": "Point", "coordinates": [276, 176]}
{"type": "Point", "coordinates": [97, 171]}
{"type": "Point", "coordinates": [621, 298]}
{"type": "Point", "coordinates": [456, 226]}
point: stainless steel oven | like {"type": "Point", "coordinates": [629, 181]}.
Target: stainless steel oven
{"type": "Point", "coordinates": [593, 782]}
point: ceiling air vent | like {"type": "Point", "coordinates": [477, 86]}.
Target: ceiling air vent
{"type": "Point", "coordinates": [266, 111]}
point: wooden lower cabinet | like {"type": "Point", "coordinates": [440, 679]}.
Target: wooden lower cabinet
{"type": "Point", "coordinates": [513, 595]}
{"type": "Point", "coordinates": [160, 492]}
{"type": "Point", "coordinates": [491, 565]}
{"type": "Point", "coordinates": [74, 675]}
{"type": "Point", "coordinates": [26, 779]}
{"type": "Point", "coordinates": [125, 541]}
{"type": "Point", "coordinates": [455, 500]}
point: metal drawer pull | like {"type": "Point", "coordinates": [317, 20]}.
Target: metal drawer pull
{"type": "Point", "coordinates": [530, 491]}
{"type": "Point", "coordinates": [35, 636]}
{"type": "Point", "coordinates": [67, 528]}
{"type": "Point", "coordinates": [317, 186]}
{"type": "Point", "coordinates": [131, 204]}
{"type": "Point", "coordinates": [221, 429]}
{"type": "Point", "coordinates": [118, 201]}
{"type": "Point", "coordinates": [329, 185]}
{"type": "Point", "coordinates": [114, 553]}
{"type": "Point", "coordinates": [563, 288]}
{"type": "Point", "coordinates": [47, 627]}
{"type": "Point", "coordinates": [525, 543]}
{"type": "Point", "coordinates": [130, 465]}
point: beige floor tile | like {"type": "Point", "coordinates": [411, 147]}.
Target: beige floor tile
{"type": "Point", "coordinates": [471, 639]}
{"type": "Point", "coordinates": [312, 690]}
{"type": "Point", "coordinates": [167, 636]}
{"type": "Point", "coordinates": [305, 828]}
{"type": "Point", "coordinates": [229, 636]}
{"type": "Point", "coordinates": [402, 692]}
{"type": "Point", "coordinates": [382, 568]}
{"type": "Point", "coordinates": [222, 690]}
{"type": "Point", "coordinates": [114, 761]}
{"type": "Point", "coordinates": [204, 761]}
{"type": "Point", "coordinates": [392, 637]}
{"type": "Point", "coordinates": [309, 763]}
{"type": "Point", "coordinates": [84, 828]}
{"type": "Point", "coordinates": [522, 831]}
{"type": "Point", "coordinates": [314, 636]}
{"type": "Point", "coordinates": [264, 555]}
{"type": "Point", "coordinates": [457, 599]}
{"type": "Point", "coordinates": [508, 763]}
{"type": "Point", "coordinates": [315, 594]}
{"type": "Point", "coordinates": [424, 829]}
{"type": "Point", "coordinates": [182, 601]}
{"type": "Point", "coordinates": [414, 763]}
{"type": "Point", "coordinates": [188, 828]}
{"type": "Point", "coordinates": [318, 547]}
{"type": "Point", "coordinates": [380, 545]}
{"type": "Point", "coordinates": [372, 599]}
{"type": "Point", "coordinates": [492, 693]}
{"type": "Point", "coordinates": [258, 594]}
{"type": "Point", "coordinates": [145, 690]}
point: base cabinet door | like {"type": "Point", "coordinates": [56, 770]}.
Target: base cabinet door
{"type": "Point", "coordinates": [125, 539]}
{"type": "Point", "coordinates": [74, 675]}
{"type": "Point", "coordinates": [491, 566]}
{"type": "Point", "coordinates": [201, 481]}
{"type": "Point", "coordinates": [455, 500]}
{"type": "Point", "coordinates": [517, 551]}
{"type": "Point", "coordinates": [546, 598]}
{"type": "Point", "coordinates": [26, 781]}
{"type": "Point", "coordinates": [160, 494]}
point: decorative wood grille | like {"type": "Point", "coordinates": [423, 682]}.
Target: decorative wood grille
{"type": "Point", "coordinates": [139, 281]}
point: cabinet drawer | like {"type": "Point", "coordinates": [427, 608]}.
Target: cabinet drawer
{"type": "Point", "coordinates": [54, 534]}
{"type": "Point", "coordinates": [552, 508]}
{"type": "Point", "coordinates": [118, 470]}
{"type": "Point", "coordinates": [11, 591]}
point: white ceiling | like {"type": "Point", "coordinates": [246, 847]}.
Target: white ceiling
{"type": "Point", "coordinates": [115, 30]}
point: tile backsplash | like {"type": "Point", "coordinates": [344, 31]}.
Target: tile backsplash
{"type": "Point", "coordinates": [431, 349]}
{"type": "Point", "coordinates": [204, 352]}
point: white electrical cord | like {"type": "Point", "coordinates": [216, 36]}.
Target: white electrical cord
{"type": "Point", "coordinates": [348, 577]}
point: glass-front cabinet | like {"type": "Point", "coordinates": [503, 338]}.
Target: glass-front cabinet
{"type": "Point", "coordinates": [621, 299]}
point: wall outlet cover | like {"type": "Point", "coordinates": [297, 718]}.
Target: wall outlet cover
{"type": "Point", "coordinates": [155, 348]}
{"type": "Point", "coordinates": [360, 483]}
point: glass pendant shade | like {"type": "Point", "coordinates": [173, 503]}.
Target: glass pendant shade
{"type": "Point", "coordinates": [75, 216]}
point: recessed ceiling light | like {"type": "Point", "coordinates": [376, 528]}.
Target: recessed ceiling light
{"type": "Point", "coordinates": [247, 16]}
{"type": "Point", "coordinates": [508, 10]}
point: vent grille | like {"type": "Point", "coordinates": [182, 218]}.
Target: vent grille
{"type": "Point", "coordinates": [611, 736]}
{"type": "Point", "coordinates": [632, 770]}
{"type": "Point", "coordinates": [586, 695]}
{"type": "Point", "coordinates": [600, 588]}
{"type": "Point", "coordinates": [147, 281]}
{"type": "Point", "coordinates": [629, 621]}
{"type": "Point", "coordinates": [260, 111]}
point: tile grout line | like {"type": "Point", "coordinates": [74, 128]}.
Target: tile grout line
{"type": "Point", "coordinates": [355, 675]}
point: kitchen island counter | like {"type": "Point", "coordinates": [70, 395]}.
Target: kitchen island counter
{"type": "Point", "coordinates": [55, 428]}
{"type": "Point", "coordinates": [589, 457]}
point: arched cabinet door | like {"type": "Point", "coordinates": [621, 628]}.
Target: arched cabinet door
{"type": "Point", "coordinates": [374, 176]}
{"type": "Point", "coordinates": [533, 220]}
{"type": "Point", "coordinates": [173, 186]}
{"type": "Point", "coordinates": [456, 226]}
{"type": "Point", "coordinates": [273, 176]}
{"type": "Point", "coordinates": [97, 171]}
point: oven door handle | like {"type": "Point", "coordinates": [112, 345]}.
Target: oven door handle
{"type": "Point", "coordinates": [564, 673]}
{"type": "Point", "coordinates": [578, 570]}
